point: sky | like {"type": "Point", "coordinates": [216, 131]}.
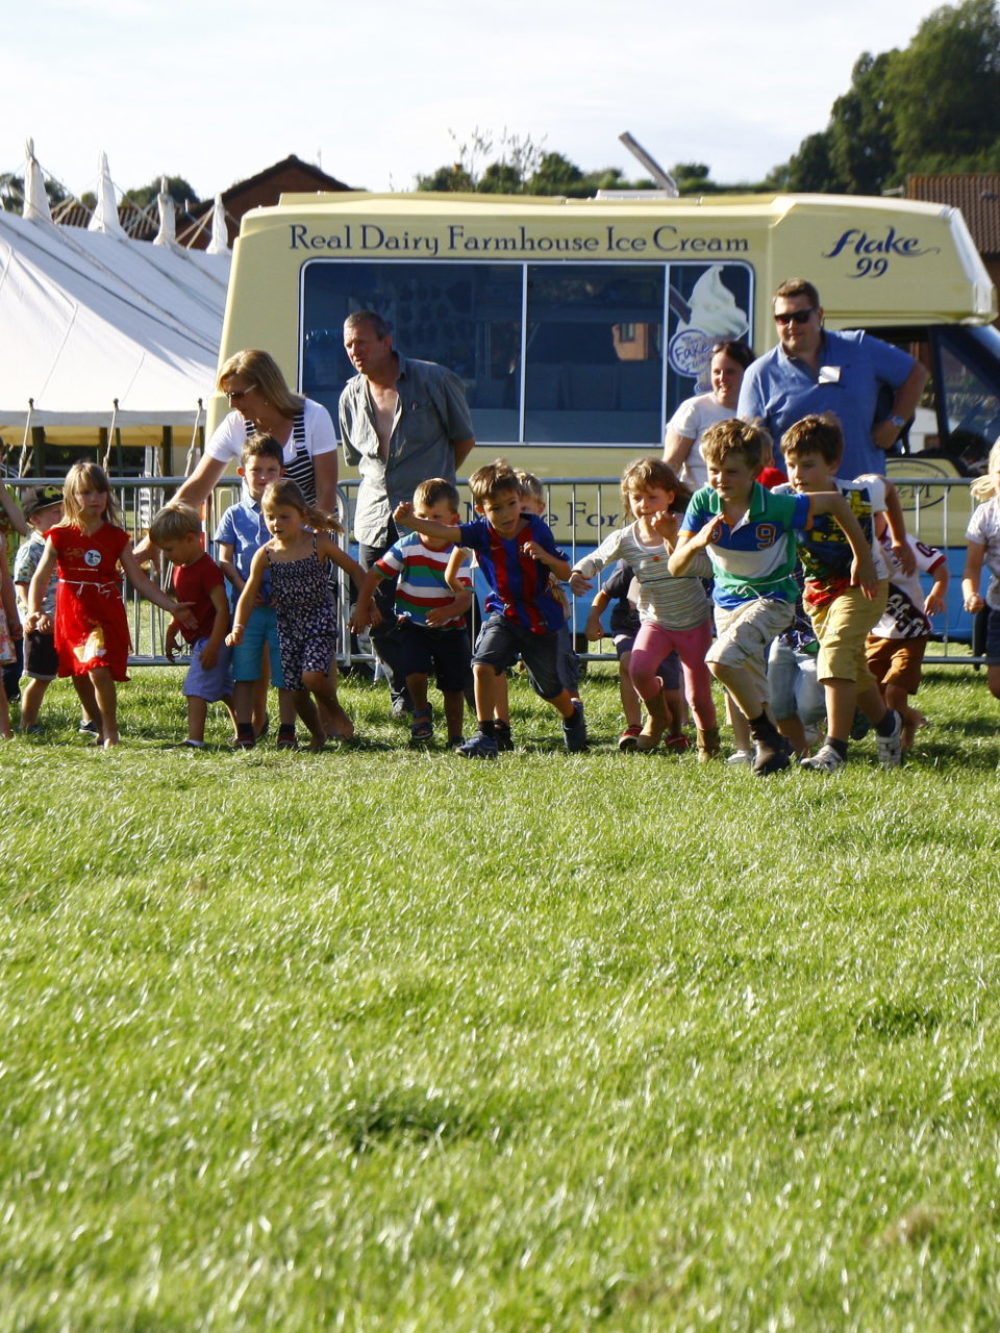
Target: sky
{"type": "Point", "coordinates": [373, 90]}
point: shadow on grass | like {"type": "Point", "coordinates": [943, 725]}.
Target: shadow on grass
{"type": "Point", "coordinates": [413, 1115]}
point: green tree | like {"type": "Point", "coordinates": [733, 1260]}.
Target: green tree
{"type": "Point", "coordinates": [945, 92]}
{"type": "Point", "coordinates": [177, 187]}
{"type": "Point", "coordinates": [860, 136]}
{"type": "Point", "coordinates": [12, 192]}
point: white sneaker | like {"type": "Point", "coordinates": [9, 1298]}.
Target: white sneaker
{"type": "Point", "coordinates": [826, 760]}
{"type": "Point", "coordinates": [740, 757]}
{"type": "Point", "coordinates": [890, 748]}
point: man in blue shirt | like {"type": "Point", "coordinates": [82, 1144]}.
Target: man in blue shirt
{"type": "Point", "coordinates": [813, 370]}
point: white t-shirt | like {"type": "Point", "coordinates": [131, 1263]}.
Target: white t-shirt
{"type": "Point", "coordinates": [229, 437]}
{"type": "Point", "coordinates": [984, 530]}
{"type": "Point", "coordinates": [691, 420]}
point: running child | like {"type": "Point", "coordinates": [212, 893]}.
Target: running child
{"type": "Point", "coordinates": [432, 631]}
{"type": "Point", "coordinates": [92, 642]}
{"type": "Point", "coordinates": [983, 537]}
{"type": "Point", "coordinates": [523, 617]}
{"type": "Point", "coordinates": [297, 556]}
{"type": "Point", "coordinates": [748, 533]}
{"type": "Point", "coordinates": [673, 608]}
{"type": "Point", "coordinates": [200, 584]}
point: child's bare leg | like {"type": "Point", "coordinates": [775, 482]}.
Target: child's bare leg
{"type": "Point", "coordinates": [318, 685]}
{"type": "Point", "coordinates": [741, 727]}
{"type": "Point", "coordinates": [258, 694]}
{"type": "Point", "coordinates": [417, 685]}
{"type": "Point", "coordinates": [107, 703]}
{"type": "Point", "coordinates": [197, 713]}
{"type": "Point", "coordinates": [563, 704]}
{"type": "Point", "coordinates": [795, 733]}
{"type": "Point", "coordinates": [896, 697]}
{"type": "Point", "coordinates": [993, 680]}
{"type": "Point", "coordinates": [87, 695]}
{"type": "Point", "coordinates": [631, 705]}
{"type": "Point", "coordinates": [5, 730]}
{"type": "Point", "coordinates": [335, 720]}
{"type": "Point", "coordinates": [501, 699]}
{"type": "Point", "coordinates": [486, 681]}
{"type": "Point", "coordinates": [454, 711]}
{"type": "Point", "coordinates": [32, 695]}
{"type": "Point", "coordinates": [245, 702]}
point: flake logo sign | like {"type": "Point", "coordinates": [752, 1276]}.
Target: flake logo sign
{"type": "Point", "coordinates": [872, 251]}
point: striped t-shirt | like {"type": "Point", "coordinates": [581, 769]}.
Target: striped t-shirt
{"type": "Point", "coordinates": [421, 587]}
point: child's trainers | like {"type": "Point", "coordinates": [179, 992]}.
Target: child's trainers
{"type": "Point", "coordinates": [479, 746]}
{"type": "Point", "coordinates": [740, 757]}
{"type": "Point", "coordinates": [825, 760]}
{"type": "Point", "coordinates": [575, 729]}
{"type": "Point", "coordinates": [628, 741]}
{"type": "Point", "coordinates": [422, 726]}
{"type": "Point", "coordinates": [890, 748]}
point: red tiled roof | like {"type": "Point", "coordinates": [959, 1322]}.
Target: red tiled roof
{"type": "Point", "coordinates": [977, 194]}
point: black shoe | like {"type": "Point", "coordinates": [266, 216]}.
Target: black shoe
{"type": "Point", "coordinates": [772, 755]}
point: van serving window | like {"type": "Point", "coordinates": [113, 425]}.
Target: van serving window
{"type": "Point", "coordinates": [550, 353]}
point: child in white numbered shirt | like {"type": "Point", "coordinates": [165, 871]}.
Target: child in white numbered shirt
{"type": "Point", "coordinates": [896, 646]}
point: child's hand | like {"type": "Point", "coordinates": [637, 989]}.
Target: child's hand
{"type": "Point", "coordinates": [235, 635]}
{"type": "Point", "coordinates": [440, 615]}
{"type": "Point", "coordinates": [403, 513]}
{"type": "Point", "coordinates": [666, 525]}
{"type": "Point", "coordinates": [579, 584]}
{"type": "Point", "coordinates": [362, 617]}
{"type": "Point", "coordinates": [863, 576]}
{"type": "Point", "coordinates": [533, 549]}
{"type": "Point", "coordinates": [210, 656]}
{"type": "Point", "coordinates": [593, 629]}
{"type": "Point", "coordinates": [973, 602]}
{"type": "Point", "coordinates": [37, 620]}
{"type": "Point", "coordinates": [904, 556]}
{"type": "Point", "coordinates": [170, 641]}
{"type": "Point", "coordinates": [934, 603]}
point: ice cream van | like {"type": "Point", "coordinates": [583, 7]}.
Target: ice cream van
{"type": "Point", "coordinates": [579, 326]}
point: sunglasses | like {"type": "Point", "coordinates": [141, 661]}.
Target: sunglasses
{"type": "Point", "coordinates": [795, 316]}
{"type": "Point", "coordinates": [234, 394]}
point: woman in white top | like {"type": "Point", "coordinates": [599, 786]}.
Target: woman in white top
{"type": "Point", "coordinates": [694, 416]}
{"type": "Point", "coordinates": [263, 404]}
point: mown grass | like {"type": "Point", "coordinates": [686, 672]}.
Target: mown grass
{"type": "Point", "coordinates": [382, 1039]}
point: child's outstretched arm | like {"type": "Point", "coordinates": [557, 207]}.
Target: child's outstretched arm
{"type": "Point", "coordinates": [456, 560]}
{"type": "Point", "coordinates": [328, 549]}
{"type": "Point", "coordinates": [593, 629]}
{"type": "Point", "coordinates": [896, 520]}
{"type": "Point", "coordinates": [149, 590]}
{"type": "Point", "coordinates": [365, 612]}
{"type": "Point", "coordinates": [36, 619]}
{"type": "Point", "coordinates": [974, 557]}
{"type": "Point", "coordinates": [690, 543]}
{"type": "Point", "coordinates": [403, 516]}
{"type": "Point", "coordinates": [937, 594]}
{"type": "Point", "coordinates": [248, 597]}
{"type": "Point", "coordinates": [863, 566]}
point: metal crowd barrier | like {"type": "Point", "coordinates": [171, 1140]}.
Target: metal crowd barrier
{"type": "Point", "coordinates": [581, 511]}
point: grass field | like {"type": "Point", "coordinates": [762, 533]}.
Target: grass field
{"type": "Point", "coordinates": [383, 1039]}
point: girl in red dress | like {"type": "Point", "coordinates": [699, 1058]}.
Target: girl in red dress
{"type": "Point", "coordinates": [91, 628]}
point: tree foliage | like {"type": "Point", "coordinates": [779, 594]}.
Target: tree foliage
{"type": "Point", "coordinates": [932, 107]}
{"type": "Point", "coordinates": [12, 192]}
{"type": "Point", "coordinates": [177, 187]}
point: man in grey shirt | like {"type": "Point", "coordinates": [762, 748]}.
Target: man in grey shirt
{"type": "Point", "coordinates": [401, 422]}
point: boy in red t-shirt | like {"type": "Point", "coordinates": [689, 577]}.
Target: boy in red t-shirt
{"type": "Point", "coordinates": [200, 583]}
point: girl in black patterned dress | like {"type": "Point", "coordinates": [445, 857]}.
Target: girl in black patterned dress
{"type": "Point", "coordinates": [297, 557]}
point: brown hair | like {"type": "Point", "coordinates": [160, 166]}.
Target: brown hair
{"type": "Point", "coordinates": [173, 521]}
{"type": "Point", "coordinates": [798, 287]}
{"type": "Point", "coordinates": [736, 351]}
{"type": "Point", "coordinates": [814, 435]}
{"type": "Point", "coordinates": [87, 476]}
{"type": "Point", "coordinates": [646, 473]}
{"type": "Point", "coordinates": [491, 480]}
{"type": "Point", "coordinates": [435, 490]}
{"type": "Point", "coordinates": [285, 492]}
{"type": "Point", "coordinates": [748, 439]}
{"type": "Point", "coordinates": [262, 446]}
{"type": "Point", "coordinates": [379, 326]}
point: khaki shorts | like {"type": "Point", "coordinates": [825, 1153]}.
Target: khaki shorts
{"type": "Point", "coordinates": [842, 628]}
{"type": "Point", "coordinates": [897, 661]}
{"type": "Point", "coordinates": [744, 633]}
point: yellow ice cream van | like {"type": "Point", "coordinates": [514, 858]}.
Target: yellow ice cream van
{"type": "Point", "coordinates": [579, 326]}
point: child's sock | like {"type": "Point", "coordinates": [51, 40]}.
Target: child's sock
{"type": "Point", "coordinates": [488, 728]}
{"type": "Point", "coordinates": [887, 727]}
{"type": "Point", "coordinates": [839, 746]}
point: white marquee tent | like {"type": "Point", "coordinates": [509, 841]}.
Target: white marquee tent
{"type": "Point", "coordinates": [97, 329]}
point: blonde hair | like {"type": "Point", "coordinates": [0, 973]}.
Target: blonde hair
{"type": "Point", "coordinates": [530, 485]}
{"type": "Point", "coordinates": [493, 479]}
{"type": "Point", "coordinates": [651, 473]}
{"type": "Point", "coordinates": [285, 492]}
{"type": "Point", "coordinates": [983, 488]}
{"type": "Point", "coordinates": [263, 373]}
{"type": "Point", "coordinates": [87, 476]}
{"type": "Point", "coordinates": [748, 440]}
{"type": "Point", "coordinates": [174, 521]}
